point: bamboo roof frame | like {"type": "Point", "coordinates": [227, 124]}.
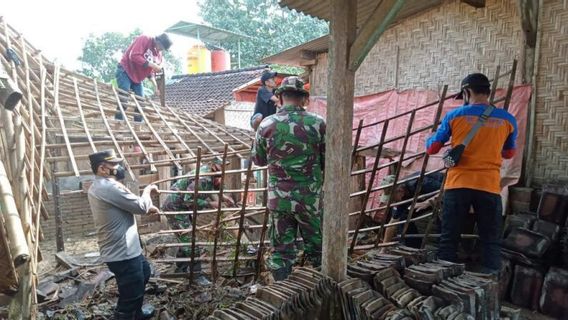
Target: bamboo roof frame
{"type": "Point", "coordinates": [63, 116]}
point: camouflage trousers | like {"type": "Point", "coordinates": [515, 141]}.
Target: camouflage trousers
{"type": "Point", "coordinates": [178, 222]}
{"type": "Point", "coordinates": [283, 230]}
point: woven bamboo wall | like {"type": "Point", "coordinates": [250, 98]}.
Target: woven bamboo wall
{"type": "Point", "coordinates": [438, 46]}
{"type": "Point", "coordinates": [551, 128]}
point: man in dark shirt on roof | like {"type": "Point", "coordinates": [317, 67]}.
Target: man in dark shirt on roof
{"type": "Point", "coordinates": [266, 101]}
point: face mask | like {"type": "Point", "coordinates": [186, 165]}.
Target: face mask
{"type": "Point", "coordinates": [119, 172]}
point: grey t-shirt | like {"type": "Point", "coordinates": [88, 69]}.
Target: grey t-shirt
{"type": "Point", "coordinates": [113, 208]}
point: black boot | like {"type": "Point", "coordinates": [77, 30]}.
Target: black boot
{"type": "Point", "coordinates": [281, 274]}
{"type": "Point", "coordinates": [146, 312]}
{"type": "Point", "coordinates": [123, 316]}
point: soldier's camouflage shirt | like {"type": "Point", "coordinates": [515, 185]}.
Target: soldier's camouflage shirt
{"type": "Point", "coordinates": [292, 144]}
{"type": "Point", "coordinates": [184, 201]}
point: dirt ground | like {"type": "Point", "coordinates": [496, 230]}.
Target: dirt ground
{"type": "Point", "coordinates": [173, 296]}
{"type": "Point", "coordinates": [180, 301]}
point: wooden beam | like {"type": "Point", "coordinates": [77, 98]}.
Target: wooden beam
{"type": "Point", "coordinates": [378, 22]}
{"type": "Point", "coordinates": [307, 54]}
{"type": "Point", "coordinates": [341, 87]}
{"type": "Point", "coordinates": [529, 19]}
{"type": "Point", "coordinates": [307, 63]}
{"type": "Point", "coordinates": [475, 3]}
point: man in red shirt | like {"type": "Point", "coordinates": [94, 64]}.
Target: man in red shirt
{"type": "Point", "coordinates": [141, 60]}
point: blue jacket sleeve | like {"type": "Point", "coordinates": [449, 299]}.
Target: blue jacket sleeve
{"type": "Point", "coordinates": [440, 137]}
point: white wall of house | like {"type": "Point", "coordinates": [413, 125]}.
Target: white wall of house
{"type": "Point", "coordinates": [238, 114]}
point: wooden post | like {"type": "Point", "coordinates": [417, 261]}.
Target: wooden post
{"type": "Point", "coordinates": [338, 138]}
{"type": "Point", "coordinates": [58, 218]}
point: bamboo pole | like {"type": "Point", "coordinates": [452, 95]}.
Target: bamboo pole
{"type": "Point", "coordinates": [17, 239]}
{"type": "Point", "coordinates": [62, 123]}
{"type": "Point", "coordinates": [82, 115]}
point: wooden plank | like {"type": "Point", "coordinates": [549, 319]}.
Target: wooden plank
{"type": "Point", "coordinates": [109, 130]}
{"type": "Point", "coordinates": [397, 174]}
{"type": "Point", "coordinates": [475, 3]}
{"type": "Point", "coordinates": [214, 271]}
{"type": "Point", "coordinates": [183, 123]}
{"type": "Point", "coordinates": [158, 137]}
{"type": "Point", "coordinates": [132, 131]}
{"type": "Point", "coordinates": [338, 139]}
{"type": "Point", "coordinates": [57, 107]}
{"type": "Point", "coordinates": [194, 219]}
{"type": "Point", "coordinates": [82, 115]}
{"type": "Point", "coordinates": [241, 220]}
{"type": "Point", "coordinates": [371, 31]}
{"type": "Point", "coordinates": [529, 20]}
{"type": "Point", "coordinates": [174, 132]}
{"type": "Point", "coordinates": [420, 180]}
{"type": "Point", "coordinates": [369, 185]}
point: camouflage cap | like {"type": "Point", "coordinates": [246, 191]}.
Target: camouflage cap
{"type": "Point", "coordinates": [293, 83]}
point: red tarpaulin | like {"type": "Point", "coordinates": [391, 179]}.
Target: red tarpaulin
{"type": "Point", "coordinates": [380, 106]}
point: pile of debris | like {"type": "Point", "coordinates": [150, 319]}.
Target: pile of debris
{"type": "Point", "coordinates": [535, 249]}
{"type": "Point", "coordinates": [79, 288]}
{"type": "Point", "coordinates": [405, 283]}
{"type": "Point", "coordinates": [304, 295]}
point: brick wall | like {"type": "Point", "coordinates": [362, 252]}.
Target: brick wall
{"type": "Point", "coordinates": [77, 217]}
{"type": "Point", "coordinates": [436, 47]}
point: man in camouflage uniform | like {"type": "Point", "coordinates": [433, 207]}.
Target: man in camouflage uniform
{"type": "Point", "coordinates": [184, 202]}
{"type": "Point", "coordinates": [292, 144]}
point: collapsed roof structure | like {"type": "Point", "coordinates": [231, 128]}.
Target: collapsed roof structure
{"type": "Point", "coordinates": [64, 116]}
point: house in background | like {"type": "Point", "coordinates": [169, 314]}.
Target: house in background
{"type": "Point", "coordinates": [226, 97]}
{"type": "Point", "coordinates": [210, 95]}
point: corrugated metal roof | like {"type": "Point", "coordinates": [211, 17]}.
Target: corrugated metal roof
{"type": "Point", "coordinates": [205, 33]}
{"type": "Point", "coordinates": [292, 56]}
{"type": "Point", "coordinates": [320, 8]}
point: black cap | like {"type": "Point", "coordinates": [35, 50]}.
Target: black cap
{"type": "Point", "coordinates": [267, 75]}
{"type": "Point", "coordinates": [164, 41]}
{"type": "Point", "coordinates": [103, 156]}
{"type": "Point", "coordinates": [474, 80]}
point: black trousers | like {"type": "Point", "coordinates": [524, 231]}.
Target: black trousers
{"type": "Point", "coordinates": [488, 210]}
{"type": "Point", "coordinates": [131, 276]}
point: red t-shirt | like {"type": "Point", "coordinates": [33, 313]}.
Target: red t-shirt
{"type": "Point", "coordinates": [136, 58]}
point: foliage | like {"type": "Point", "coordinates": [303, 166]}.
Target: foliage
{"type": "Point", "coordinates": [101, 54]}
{"type": "Point", "coordinates": [272, 29]}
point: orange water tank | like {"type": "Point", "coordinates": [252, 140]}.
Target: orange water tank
{"type": "Point", "coordinates": [220, 60]}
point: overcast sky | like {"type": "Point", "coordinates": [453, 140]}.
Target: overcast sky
{"type": "Point", "coordinates": [59, 27]}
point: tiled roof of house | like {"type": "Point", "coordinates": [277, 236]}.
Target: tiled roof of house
{"type": "Point", "coordinates": [203, 93]}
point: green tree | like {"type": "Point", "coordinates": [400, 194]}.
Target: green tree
{"type": "Point", "coordinates": [101, 54]}
{"type": "Point", "coordinates": [272, 28]}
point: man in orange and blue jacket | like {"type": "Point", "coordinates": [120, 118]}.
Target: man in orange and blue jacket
{"type": "Point", "coordinates": [475, 180]}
